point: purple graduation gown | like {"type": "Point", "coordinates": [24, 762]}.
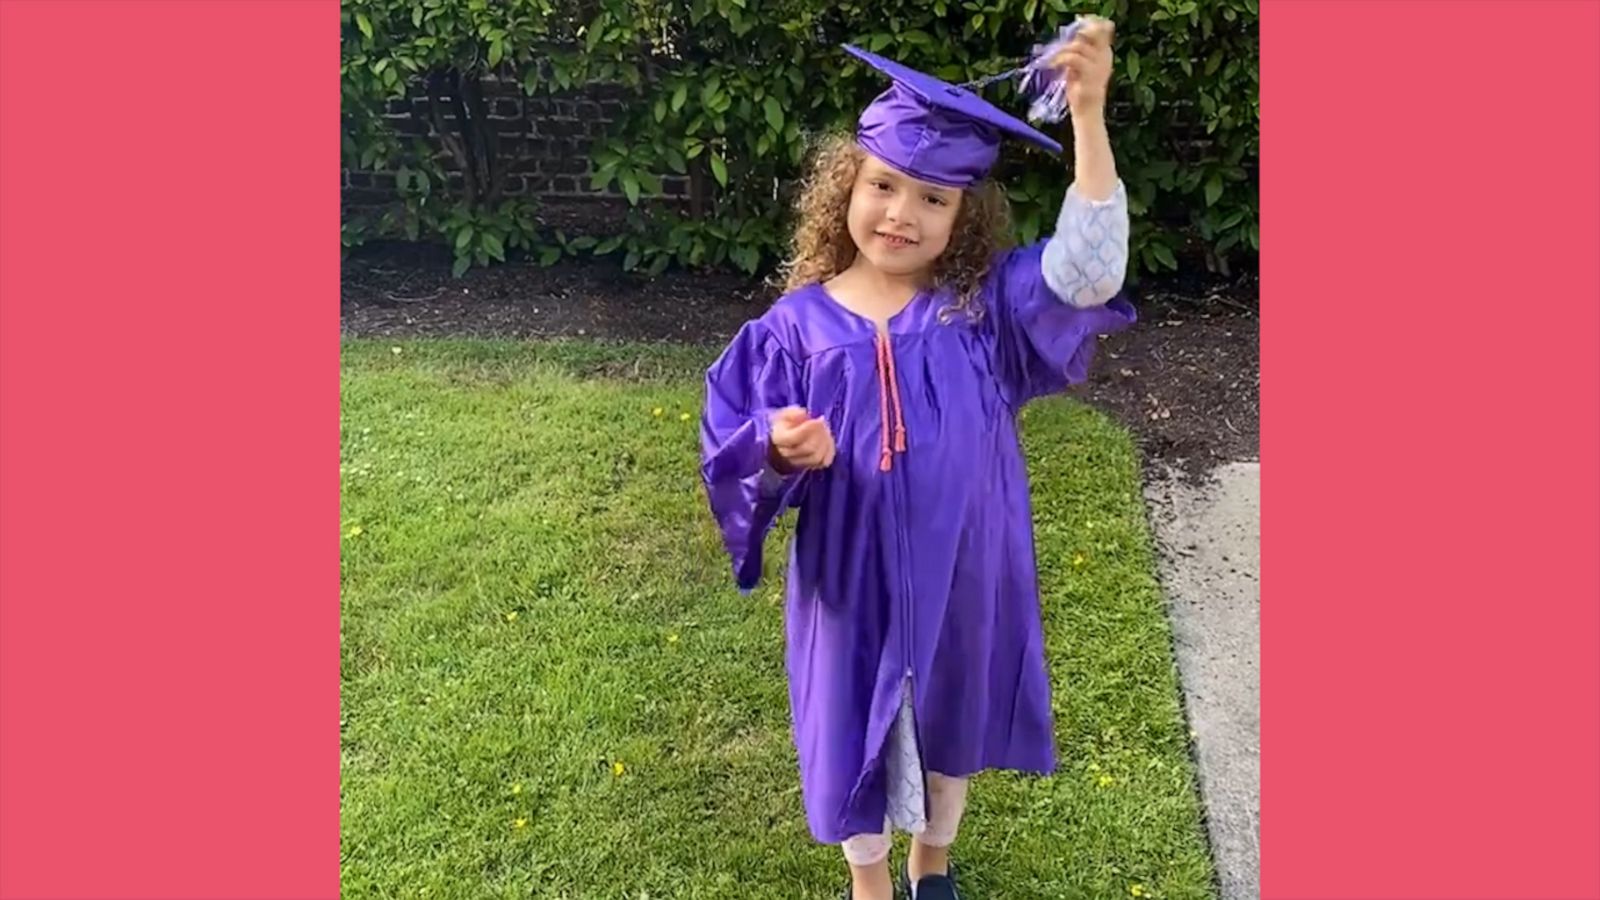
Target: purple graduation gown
{"type": "Point", "coordinates": [924, 570]}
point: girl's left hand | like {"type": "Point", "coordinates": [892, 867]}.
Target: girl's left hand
{"type": "Point", "coordinates": [1087, 60]}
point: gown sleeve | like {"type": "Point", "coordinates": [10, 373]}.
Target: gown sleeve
{"type": "Point", "coordinates": [1052, 300]}
{"type": "Point", "coordinates": [753, 378]}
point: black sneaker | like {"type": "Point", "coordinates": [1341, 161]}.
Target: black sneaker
{"type": "Point", "coordinates": [930, 887]}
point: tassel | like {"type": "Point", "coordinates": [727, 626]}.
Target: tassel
{"type": "Point", "coordinates": [1044, 85]}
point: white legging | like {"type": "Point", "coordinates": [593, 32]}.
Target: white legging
{"type": "Point", "coordinates": [947, 799]}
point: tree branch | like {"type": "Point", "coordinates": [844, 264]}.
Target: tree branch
{"type": "Point", "coordinates": [450, 142]}
{"type": "Point", "coordinates": [490, 166]}
{"type": "Point", "coordinates": [468, 135]}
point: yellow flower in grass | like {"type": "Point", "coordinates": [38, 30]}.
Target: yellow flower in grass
{"type": "Point", "coordinates": [672, 639]}
{"type": "Point", "coordinates": [683, 417]}
{"type": "Point", "coordinates": [617, 769]}
{"type": "Point", "coordinates": [516, 789]}
{"type": "Point", "coordinates": [354, 531]}
{"type": "Point", "coordinates": [657, 412]}
{"type": "Point", "coordinates": [511, 616]}
{"type": "Point", "coordinates": [1078, 560]}
{"type": "Point", "coordinates": [1137, 890]}
{"type": "Point", "coordinates": [1106, 780]}
{"type": "Point", "coordinates": [520, 823]}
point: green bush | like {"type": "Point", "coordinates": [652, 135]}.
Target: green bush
{"type": "Point", "coordinates": [729, 92]}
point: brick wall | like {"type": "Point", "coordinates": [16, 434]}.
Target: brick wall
{"type": "Point", "coordinates": [549, 136]}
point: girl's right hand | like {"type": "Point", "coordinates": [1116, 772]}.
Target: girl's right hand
{"type": "Point", "coordinates": [800, 442]}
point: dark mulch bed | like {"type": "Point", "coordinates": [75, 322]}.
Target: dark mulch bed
{"type": "Point", "coordinates": [1186, 380]}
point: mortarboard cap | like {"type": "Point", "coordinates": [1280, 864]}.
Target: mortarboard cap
{"type": "Point", "coordinates": [933, 130]}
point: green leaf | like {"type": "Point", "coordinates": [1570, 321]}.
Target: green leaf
{"type": "Point", "coordinates": [1029, 230]}
{"type": "Point", "coordinates": [630, 261]}
{"type": "Point", "coordinates": [497, 52]}
{"type": "Point", "coordinates": [1133, 65]}
{"type": "Point", "coordinates": [365, 24]}
{"type": "Point", "coordinates": [463, 263]}
{"type": "Point", "coordinates": [416, 17]}
{"type": "Point", "coordinates": [719, 169]}
{"type": "Point", "coordinates": [661, 109]}
{"type": "Point", "coordinates": [630, 187]}
{"type": "Point", "coordinates": [549, 256]}
{"type": "Point", "coordinates": [494, 246]}
{"type": "Point", "coordinates": [609, 245]}
{"type": "Point", "coordinates": [603, 176]}
{"type": "Point", "coordinates": [1163, 253]}
{"type": "Point", "coordinates": [1213, 189]}
{"type": "Point", "coordinates": [463, 239]}
{"type": "Point", "coordinates": [745, 257]}
{"type": "Point", "coordinates": [1255, 238]}
{"type": "Point", "coordinates": [679, 96]}
{"type": "Point", "coordinates": [774, 111]}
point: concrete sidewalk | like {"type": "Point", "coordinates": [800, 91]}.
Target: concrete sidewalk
{"type": "Point", "coordinates": [1209, 540]}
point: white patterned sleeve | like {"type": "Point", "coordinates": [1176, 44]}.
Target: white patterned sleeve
{"type": "Point", "coordinates": [1085, 260]}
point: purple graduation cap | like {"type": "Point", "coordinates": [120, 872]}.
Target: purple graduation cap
{"type": "Point", "coordinates": [936, 131]}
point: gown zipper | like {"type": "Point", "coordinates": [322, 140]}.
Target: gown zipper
{"type": "Point", "coordinates": [890, 389]}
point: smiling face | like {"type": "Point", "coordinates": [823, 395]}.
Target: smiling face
{"type": "Point", "coordinates": [900, 224]}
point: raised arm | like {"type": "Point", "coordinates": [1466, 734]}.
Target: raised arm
{"type": "Point", "coordinates": [1085, 260]}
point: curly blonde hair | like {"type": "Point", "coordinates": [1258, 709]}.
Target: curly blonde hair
{"type": "Point", "coordinates": [822, 246]}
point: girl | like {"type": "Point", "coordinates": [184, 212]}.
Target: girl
{"type": "Point", "coordinates": [879, 397]}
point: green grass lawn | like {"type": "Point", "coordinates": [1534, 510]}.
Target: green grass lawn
{"type": "Point", "coordinates": [551, 688]}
